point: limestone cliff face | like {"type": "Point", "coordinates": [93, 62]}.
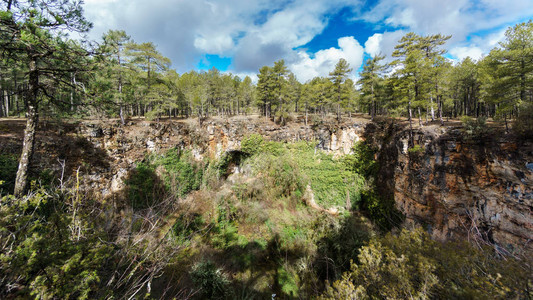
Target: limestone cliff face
{"type": "Point", "coordinates": [128, 144]}
{"type": "Point", "coordinates": [479, 189]}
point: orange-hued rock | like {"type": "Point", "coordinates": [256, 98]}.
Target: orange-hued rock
{"type": "Point", "coordinates": [461, 188]}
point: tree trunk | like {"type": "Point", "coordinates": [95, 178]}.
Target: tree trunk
{"type": "Point", "coordinates": [2, 104]}
{"type": "Point", "coordinates": [6, 98]}
{"type": "Point", "coordinates": [432, 111]}
{"type": "Point", "coordinates": [411, 141]}
{"type": "Point", "coordinates": [32, 117]}
{"type": "Point", "coordinates": [305, 114]}
{"type": "Point", "coordinates": [419, 117]}
{"type": "Point", "coordinates": [440, 111]}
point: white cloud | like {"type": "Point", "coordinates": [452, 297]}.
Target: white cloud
{"type": "Point", "coordinates": [461, 53]}
{"type": "Point", "coordinates": [459, 18]}
{"type": "Point", "coordinates": [383, 43]}
{"type": "Point", "coordinates": [372, 45]}
{"type": "Point", "coordinates": [258, 32]}
{"type": "Point", "coordinates": [456, 17]}
{"type": "Point", "coordinates": [306, 67]}
{"type": "Point", "coordinates": [478, 46]}
{"type": "Point", "coordinates": [254, 32]}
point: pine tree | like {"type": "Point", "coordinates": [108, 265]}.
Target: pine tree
{"type": "Point", "coordinates": [371, 82]}
{"type": "Point", "coordinates": [337, 77]}
{"type": "Point", "coordinates": [33, 33]}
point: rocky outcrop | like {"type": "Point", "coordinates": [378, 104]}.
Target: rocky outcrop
{"type": "Point", "coordinates": [457, 187]}
{"type": "Point", "coordinates": [125, 145]}
{"type": "Point", "coordinates": [474, 188]}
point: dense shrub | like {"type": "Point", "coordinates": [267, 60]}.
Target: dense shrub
{"type": "Point", "coordinates": [412, 265]}
{"type": "Point", "coordinates": [252, 144]}
{"type": "Point", "coordinates": [183, 173]}
{"type": "Point", "coordinates": [477, 128]}
{"type": "Point", "coordinates": [210, 281]}
{"type": "Point", "coordinates": [8, 173]}
{"type": "Point", "coordinates": [47, 251]}
{"type": "Point", "coordinates": [523, 125]}
{"type": "Point", "coordinates": [362, 160]}
{"type": "Point", "coordinates": [144, 186]}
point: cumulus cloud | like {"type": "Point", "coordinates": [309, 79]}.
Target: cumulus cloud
{"type": "Point", "coordinates": [253, 32]}
{"type": "Point", "coordinates": [477, 46]}
{"type": "Point", "coordinates": [383, 43]}
{"type": "Point", "coordinates": [459, 18]}
{"type": "Point", "coordinates": [306, 67]}
{"type": "Point", "coordinates": [461, 53]}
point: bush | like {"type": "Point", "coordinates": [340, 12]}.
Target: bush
{"type": "Point", "coordinates": [210, 280]}
{"type": "Point", "coordinates": [252, 144]}
{"type": "Point", "coordinates": [184, 174]}
{"type": "Point", "coordinates": [144, 186]}
{"type": "Point", "coordinates": [362, 160]}
{"type": "Point", "coordinates": [475, 128]}
{"type": "Point", "coordinates": [523, 125]}
{"type": "Point", "coordinates": [41, 256]}
{"type": "Point", "coordinates": [412, 265]}
{"type": "Point", "coordinates": [380, 210]}
{"type": "Point", "coordinates": [8, 173]}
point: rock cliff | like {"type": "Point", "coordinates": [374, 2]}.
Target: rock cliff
{"type": "Point", "coordinates": [459, 187]}
{"type": "Point", "coordinates": [480, 189]}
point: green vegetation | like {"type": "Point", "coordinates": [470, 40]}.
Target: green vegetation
{"type": "Point", "coordinates": [180, 175]}
{"type": "Point", "coordinates": [292, 221]}
{"type": "Point", "coordinates": [412, 265]}
{"type": "Point", "coordinates": [49, 247]}
{"type": "Point", "coordinates": [245, 235]}
{"type": "Point", "coordinates": [8, 169]}
{"type": "Point", "coordinates": [475, 128]}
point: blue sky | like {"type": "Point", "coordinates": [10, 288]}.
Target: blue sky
{"type": "Point", "coordinates": [240, 36]}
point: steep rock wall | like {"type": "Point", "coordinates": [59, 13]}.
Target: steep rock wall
{"type": "Point", "coordinates": [128, 144]}
{"type": "Point", "coordinates": [480, 189]}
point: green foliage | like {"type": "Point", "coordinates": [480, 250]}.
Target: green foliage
{"type": "Point", "coordinates": [210, 280]}
{"type": "Point", "coordinates": [341, 245]}
{"type": "Point", "coordinates": [183, 173]}
{"type": "Point", "coordinates": [8, 173]}
{"type": "Point", "coordinates": [42, 256]}
{"type": "Point", "coordinates": [330, 178]}
{"type": "Point", "coordinates": [362, 160]}
{"type": "Point", "coordinates": [475, 128]}
{"type": "Point", "coordinates": [186, 226]}
{"type": "Point", "coordinates": [416, 149]}
{"type": "Point", "coordinates": [143, 186]}
{"type": "Point", "coordinates": [288, 282]}
{"type": "Point", "coordinates": [413, 265]}
{"type": "Point", "coordinates": [254, 144]}
{"type": "Point", "coordinates": [380, 210]}
{"type": "Point", "coordinates": [523, 125]}
{"type": "Point", "coordinates": [416, 152]}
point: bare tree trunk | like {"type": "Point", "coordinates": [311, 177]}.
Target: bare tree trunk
{"type": "Point", "coordinates": [432, 111]}
{"type": "Point", "coordinates": [305, 114]}
{"type": "Point", "coordinates": [1, 104]}
{"type": "Point", "coordinates": [338, 112]}
{"type": "Point", "coordinates": [419, 117]}
{"type": "Point", "coordinates": [411, 141]}
{"type": "Point", "coordinates": [6, 98]}
{"type": "Point", "coordinates": [440, 111]}
{"type": "Point", "coordinates": [32, 117]}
